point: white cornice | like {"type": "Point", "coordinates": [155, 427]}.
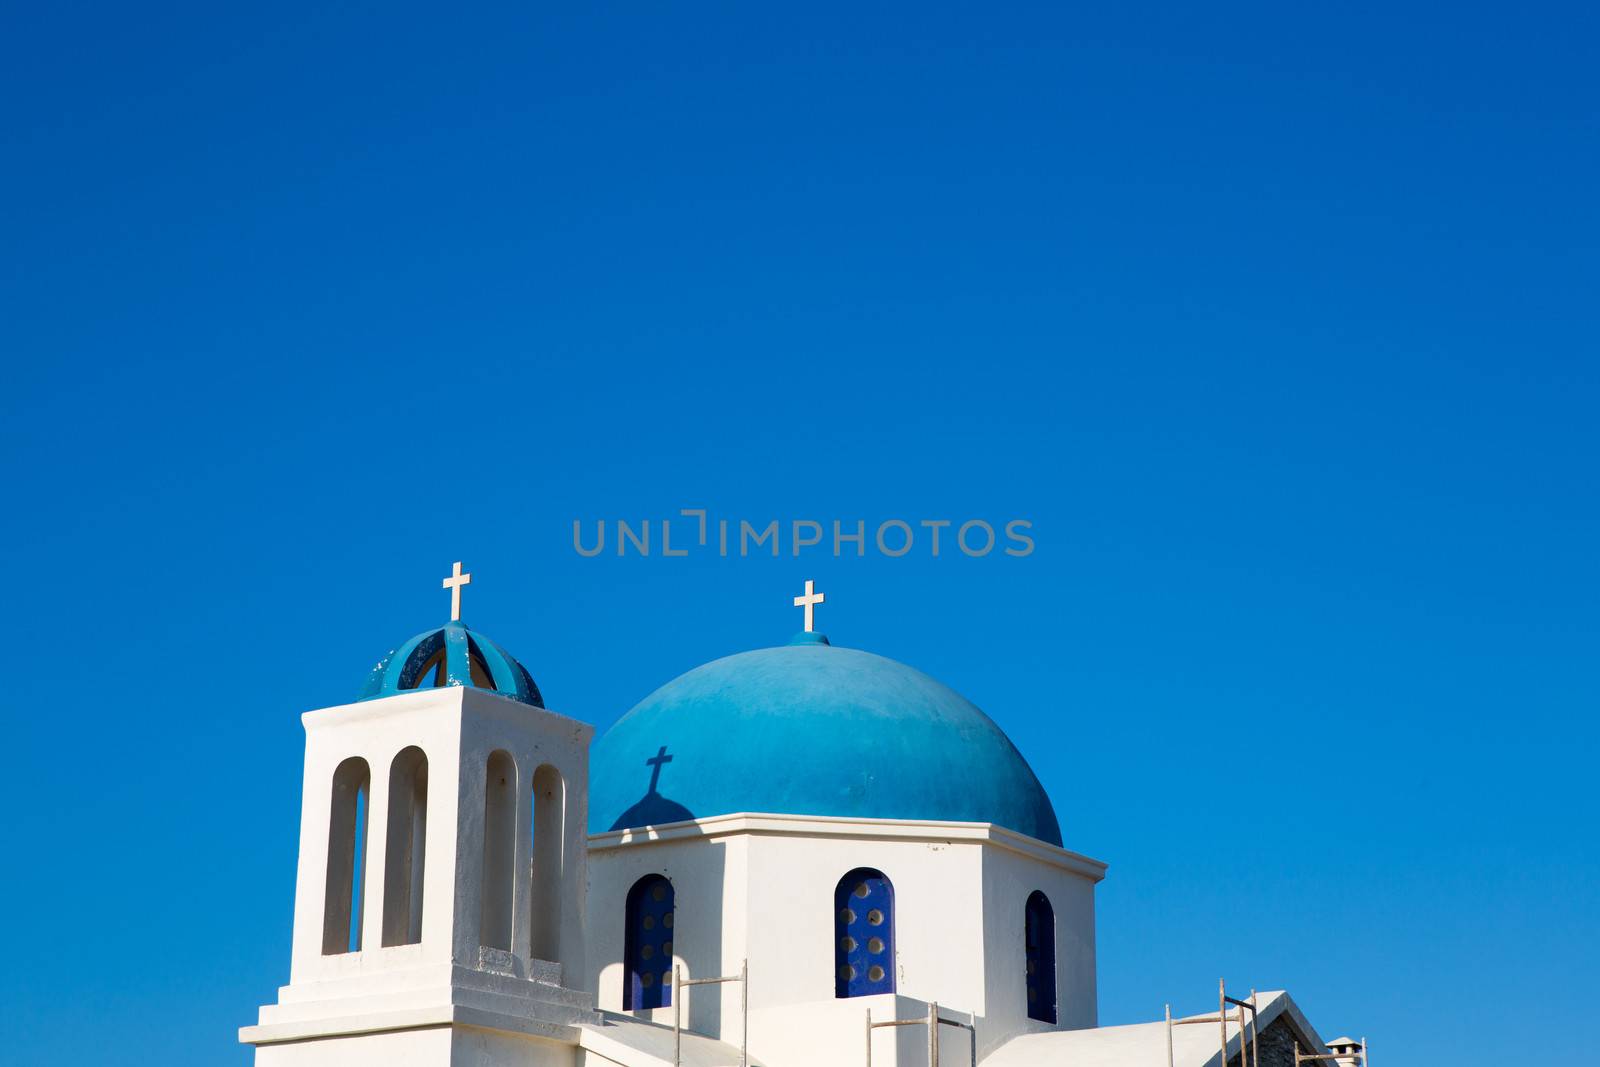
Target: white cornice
{"type": "Point", "coordinates": [762, 823]}
{"type": "Point", "coordinates": [445, 696]}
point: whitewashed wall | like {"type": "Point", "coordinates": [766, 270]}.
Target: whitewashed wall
{"type": "Point", "coordinates": [763, 886]}
{"type": "Point", "coordinates": [408, 987]}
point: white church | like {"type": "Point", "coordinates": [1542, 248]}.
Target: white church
{"type": "Point", "coordinates": [483, 883]}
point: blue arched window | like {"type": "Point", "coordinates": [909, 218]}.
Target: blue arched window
{"type": "Point", "coordinates": [647, 945]}
{"type": "Point", "coordinates": [863, 932]}
{"type": "Point", "coordinates": [1041, 953]}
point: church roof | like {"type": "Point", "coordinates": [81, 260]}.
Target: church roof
{"type": "Point", "coordinates": [811, 729]}
{"type": "Point", "coordinates": [451, 655]}
{"type": "Point", "coordinates": [621, 1038]}
{"type": "Point", "coordinates": [1146, 1043]}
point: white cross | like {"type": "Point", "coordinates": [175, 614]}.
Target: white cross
{"type": "Point", "coordinates": [457, 580]}
{"type": "Point", "coordinates": [809, 602]}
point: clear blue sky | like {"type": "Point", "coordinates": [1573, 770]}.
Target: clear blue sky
{"type": "Point", "coordinates": [1279, 325]}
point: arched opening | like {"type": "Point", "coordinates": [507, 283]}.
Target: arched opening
{"type": "Point", "coordinates": [863, 929]}
{"type": "Point", "coordinates": [347, 846]}
{"type": "Point", "coordinates": [1040, 942]}
{"type": "Point", "coordinates": [405, 851]}
{"type": "Point", "coordinates": [647, 945]}
{"type": "Point", "coordinates": [499, 851]}
{"type": "Point", "coordinates": [428, 665]}
{"type": "Point", "coordinates": [549, 824]}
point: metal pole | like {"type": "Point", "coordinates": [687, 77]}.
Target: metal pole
{"type": "Point", "coordinates": [1363, 1052]}
{"type": "Point", "coordinates": [973, 1016]}
{"type": "Point", "coordinates": [744, 1014]}
{"type": "Point", "coordinates": [933, 1034]}
{"type": "Point", "coordinates": [677, 1015]}
{"type": "Point", "coordinates": [1255, 1032]}
{"type": "Point", "coordinates": [1222, 1018]}
{"type": "Point", "coordinates": [869, 1037]}
{"type": "Point", "coordinates": [1169, 1036]}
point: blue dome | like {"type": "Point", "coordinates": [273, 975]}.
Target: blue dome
{"type": "Point", "coordinates": [809, 729]}
{"type": "Point", "coordinates": [451, 655]}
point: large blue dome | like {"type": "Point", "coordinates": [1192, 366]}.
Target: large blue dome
{"type": "Point", "coordinates": [809, 729]}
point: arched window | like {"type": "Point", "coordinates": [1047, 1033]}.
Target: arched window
{"type": "Point", "coordinates": [499, 851]}
{"type": "Point", "coordinates": [404, 853]}
{"type": "Point", "coordinates": [647, 945]}
{"type": "Point", "coordinates": [347, 847]}
{"type": "Point", "coordinates": [549, 817]}
{"type": "Point", "coordinates": [863, 928]}
{"type": "Point", "coordinates": [1040, 941]}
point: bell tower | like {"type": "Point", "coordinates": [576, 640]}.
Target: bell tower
{"type": "Point", "coordinates": [439, 900]}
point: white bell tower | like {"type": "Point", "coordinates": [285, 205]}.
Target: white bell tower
{"type": "Point", "coordinates": [438, 914]}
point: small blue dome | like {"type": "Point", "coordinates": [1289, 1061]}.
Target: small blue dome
{"type": "Point", "coordinates": [809, 729]}
{"type": "Point", "coordinates": [451, 655]}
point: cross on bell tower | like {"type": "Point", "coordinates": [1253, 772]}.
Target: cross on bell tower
{"type": "Point", "coordinates": [454, 584]}
{"type": "Point", "coordinates": [442, 872]}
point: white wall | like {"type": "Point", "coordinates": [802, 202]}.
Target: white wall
{"type": "Point", "coordinates": [404, 1048]}
{"type": "Point", "coordinates": [938, 896]}
{"type": "Point", "coordinates": [457, 728]}
{"type": "Point", "coordinates": [377, 731]}
{"type": "Point", "coordinates": [762, 886]}
{"type": "Point", "coordinates": [1009, 877]}
{"type": "Point", "coordinates": [707, 874]}
{"type": "Point", "coordinates": [438, 1046]}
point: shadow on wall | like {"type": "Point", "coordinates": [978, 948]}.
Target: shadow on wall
{"type": "Point", "coordinates": [693, 940]}
{"type": "Point", "coordinates": [653, 809]}
{"type": "Point", "coordinates": [697, 889]}
{"type": "Point", "coordinates": [702, 952]}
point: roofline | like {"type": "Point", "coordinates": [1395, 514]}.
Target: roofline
{"type": "Point", "coordinates": [1272, 1004]}
{"type": "Point", "coordinates": [486, 699]}
{"type": "Point", "coordinates": [777, 825]}
{"type": "Point", "coordinates": [1278, 1003]}
{"type": "Point", "coordinates": [1305, 1031]}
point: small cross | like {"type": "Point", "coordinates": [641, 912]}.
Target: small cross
{"type": "Point", "coordinates": [454, 584]}
{"type": "Point", "coordinates": [809, 602]}
{"type": "Point", "coordinates": [655, 762]}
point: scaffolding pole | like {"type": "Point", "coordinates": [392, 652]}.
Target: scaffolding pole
{"type": "Point", "coordinates": [1247, 1032]}
{"type": "Point", "coordinates": [680, 983]}
{"type": "Point", "coordinates": [1248, 1050]}
{"type": "Point", "coordinates": [932, 1022]}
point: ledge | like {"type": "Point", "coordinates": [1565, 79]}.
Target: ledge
{"type": "Point", "coordinates": [766, 824]}
{"type": "Point", "coordinates": [407, 1019]}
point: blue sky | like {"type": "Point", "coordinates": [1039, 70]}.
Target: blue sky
{"type": "Point", "coordinates": [1278, 326]}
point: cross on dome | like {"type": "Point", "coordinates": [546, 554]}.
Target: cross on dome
{"type": "Point", "coordinates": [809, 601]}
{"type": "Point", "coordinates": [454, 584]}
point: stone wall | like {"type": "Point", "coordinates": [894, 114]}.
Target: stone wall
{"type": "Point", "coordinates": [1276, 1046]}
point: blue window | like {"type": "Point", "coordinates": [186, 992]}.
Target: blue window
{"type": "Point", "coordinates": [647, 945]}
{"type": "Point", "coordinates": [1041, 953]}
{"type": "Point", "coordinates": [863, 929]}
